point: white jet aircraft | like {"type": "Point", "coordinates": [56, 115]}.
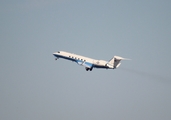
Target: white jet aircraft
{"type": "Point", "coordinates": [90, 63]}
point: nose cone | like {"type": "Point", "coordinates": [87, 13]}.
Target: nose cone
{"type": "Point", "coordinates": [54, 54]}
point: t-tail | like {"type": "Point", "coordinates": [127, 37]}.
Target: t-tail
{"type": "Point", "coordinates": [115, 62]}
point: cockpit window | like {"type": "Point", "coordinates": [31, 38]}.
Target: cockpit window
{"type": "Point", "coordinates": [58, 51]}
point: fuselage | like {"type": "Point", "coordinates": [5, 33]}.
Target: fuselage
{"type": "Point", "coordinates": [89, 63]}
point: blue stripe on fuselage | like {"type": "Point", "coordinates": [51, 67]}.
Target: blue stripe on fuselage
{"type": "Point", "coordinates": [98, 66]}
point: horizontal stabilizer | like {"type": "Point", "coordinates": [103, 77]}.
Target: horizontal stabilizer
{"type": "Point", "coordinates": [121, 58]}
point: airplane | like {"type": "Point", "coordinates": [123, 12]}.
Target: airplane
{"type": "Point", "coordinates": [90, 63]}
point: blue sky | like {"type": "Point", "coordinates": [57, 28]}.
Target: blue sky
{"type": "Point", "coordinates": [35, 86]}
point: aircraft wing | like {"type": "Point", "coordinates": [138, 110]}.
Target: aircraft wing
{"type": "Point", "coordinates": [85, 64]}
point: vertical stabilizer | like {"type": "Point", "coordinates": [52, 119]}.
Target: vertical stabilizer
{"type": "Point", "coordinates": [111, 62]}
{"type": "Point", "coordinates": [115, 62]}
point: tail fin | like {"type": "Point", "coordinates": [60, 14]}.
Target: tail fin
{"type": "Point", "coordinates": [115, 62]}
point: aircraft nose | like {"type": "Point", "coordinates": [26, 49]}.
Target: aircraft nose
{"type": "Point", "coordinates": [54, 54]}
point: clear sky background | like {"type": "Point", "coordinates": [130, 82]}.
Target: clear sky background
{"type": "Point", "coordinates": [33, 86]}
